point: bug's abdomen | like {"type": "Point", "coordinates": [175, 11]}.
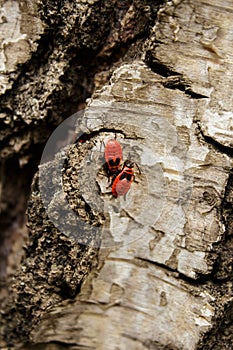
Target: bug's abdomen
{"type": "Point", "coordinates": [122, 183]}
{"type": "Point", "coordinates": [113, 155]}
{"type": "Point", "coordinates": [122, 188]}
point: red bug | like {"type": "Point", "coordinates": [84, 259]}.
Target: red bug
{"type": "Point", "coordinates": [121, 183]}
{"type": "Point", "coordinates": [113, 156]}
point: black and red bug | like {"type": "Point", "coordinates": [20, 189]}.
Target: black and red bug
{"type": "Point", "coordinates": [113, 156]}
{"type": "Point", "coordinates": [121, 183]}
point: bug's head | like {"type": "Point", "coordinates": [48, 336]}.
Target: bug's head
{"type": "Point", "coordinates": [129, 164]}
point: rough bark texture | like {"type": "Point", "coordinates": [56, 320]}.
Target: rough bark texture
{"type": "Point", "coordinates": [53, 55]}
{"type": "Point", "coordinates": [154, 270]}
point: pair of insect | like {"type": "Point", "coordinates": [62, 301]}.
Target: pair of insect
{"type": "Point", "coordinates": [122, 176]}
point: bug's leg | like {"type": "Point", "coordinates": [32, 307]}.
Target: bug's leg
{"type": "Point", "coordinates": [139, 170]}
{"type": "Point", "coordinates": [113, 177]}
{"type": "Point", "coordinates": [112, 180]}
{"type": "Point", "coordinates": [106, 169]}
{"type": "Point", "coordinates": [105, 166]}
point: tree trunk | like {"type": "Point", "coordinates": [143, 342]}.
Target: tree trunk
{"type": "Point", "coordinates": [152, 269]}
